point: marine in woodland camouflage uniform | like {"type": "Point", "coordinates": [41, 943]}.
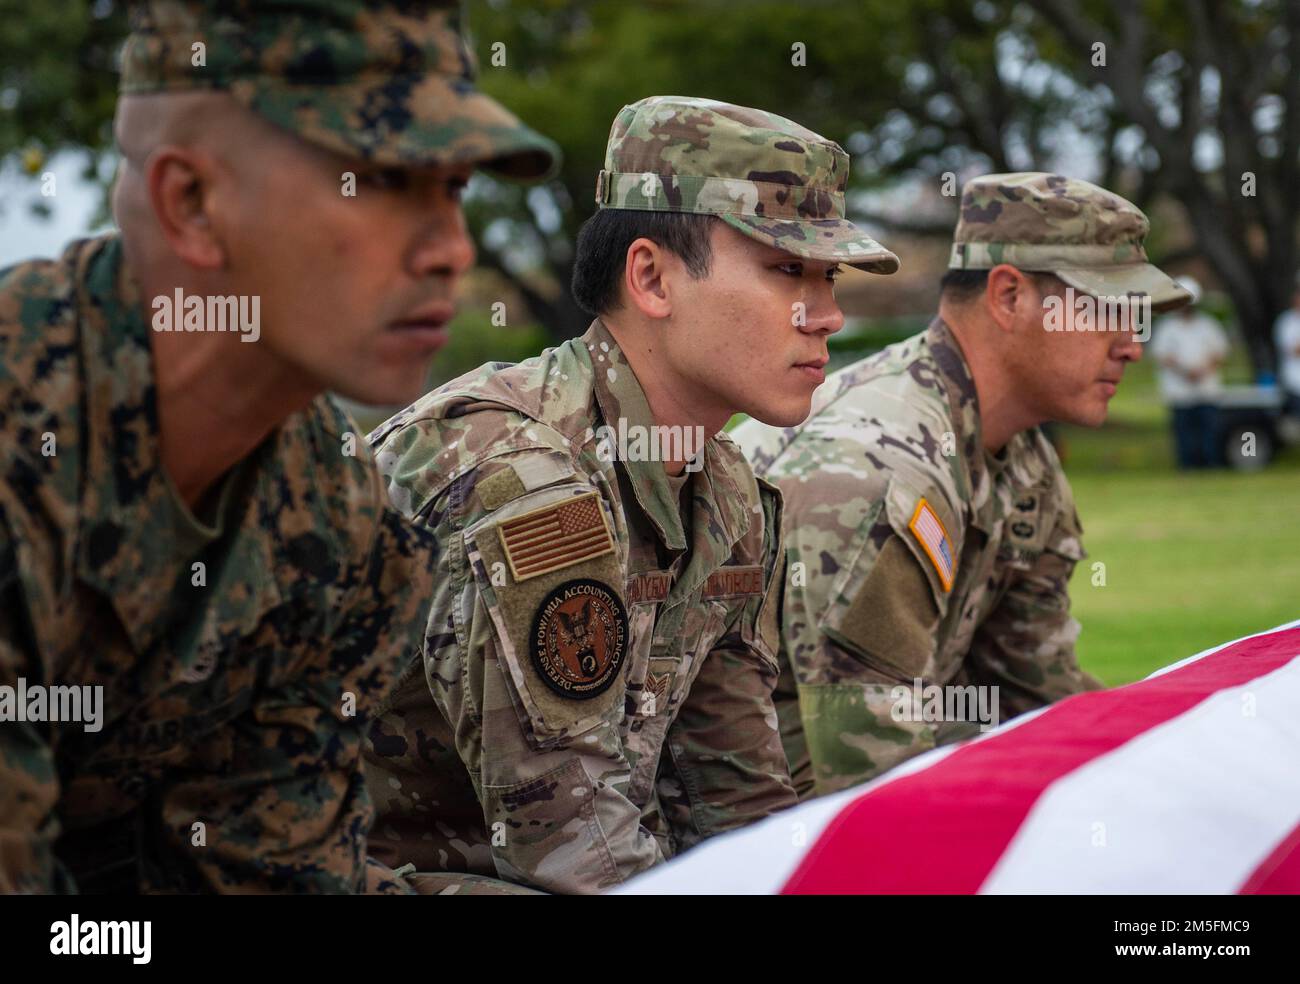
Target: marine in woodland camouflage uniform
{"type": "Point", "coordinates": [922, 556]}
{"type": "Point", "coordinates": [600, 651]}
{"type": "Point", "coordinates": [240, 645]}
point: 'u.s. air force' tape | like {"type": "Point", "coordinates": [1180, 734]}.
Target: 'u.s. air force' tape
{"type": "Point", "coordinates": [734, 582]}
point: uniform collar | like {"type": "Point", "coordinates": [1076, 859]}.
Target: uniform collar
{"type": "Point", "coordinates": [128, 538]}
{"type": "Point", "coordinates": [1017, 462]}
{"type": "Point", "coordinates": [963, 400]}
{"type": "Point", "coordinates": [724, 493]}
{"type": "Point", "coordinates": [623, 404]}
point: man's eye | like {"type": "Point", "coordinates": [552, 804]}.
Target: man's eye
{"type": "Point", "coordinates": [793, 269]}
{"type": "Point", "coordinates": [388, 179]}
{"type": "Point", "coordinates": [833, 274]}
{"type": "Point", "coordinates": [456, 189]}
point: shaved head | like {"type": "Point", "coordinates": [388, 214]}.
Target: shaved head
{"type": "Point", "coordinates": [207, 121]}
{"type": "Point", "coordinates": [144, 122]}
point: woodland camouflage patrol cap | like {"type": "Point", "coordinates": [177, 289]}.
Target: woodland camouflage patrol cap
{"type": "Point", "coordinates": [389, 82]}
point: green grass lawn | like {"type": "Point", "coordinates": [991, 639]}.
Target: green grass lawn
{"type": "Point", "coordinates": [1192, 560]}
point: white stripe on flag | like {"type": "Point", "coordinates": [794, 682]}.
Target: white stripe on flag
{"type": "Point", "coordinates": [759, 859]}
{"type": "Point", "coordinates": [1192, 805]}
{"type": "Point", "coordinates": [756, 860]}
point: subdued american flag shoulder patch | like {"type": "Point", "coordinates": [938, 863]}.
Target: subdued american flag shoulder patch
{"type": "Point", "coordinates": [929, 531]}
{"type": "Point", "coordinates": [555, 536]}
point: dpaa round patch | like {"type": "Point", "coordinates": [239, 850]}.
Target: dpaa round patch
{"type": "Point", "coordinates": [579, 638]}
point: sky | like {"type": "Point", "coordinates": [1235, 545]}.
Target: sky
{"type": "Point", "coordinates": [75, 202]}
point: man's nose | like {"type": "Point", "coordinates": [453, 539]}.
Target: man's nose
{"type": "Point", "coordinates": [443, 246]}
{"type": "Point", "coordinates": [824, 315]}
{"type": "Point", "coordinates": [1128, 348]}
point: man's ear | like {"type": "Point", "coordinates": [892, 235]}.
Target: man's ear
{"type": "Point", "coordinates": [1009, 295]}
{"type": "Point", "coordinates": [180, 183]}
{"type": "Point", "coordinates": [645, 278]}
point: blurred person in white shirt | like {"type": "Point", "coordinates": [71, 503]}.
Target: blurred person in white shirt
{"type": "Point", "coordinates": [1189, 347]}
{"type": "Point", "coordinates": [1286, 337]}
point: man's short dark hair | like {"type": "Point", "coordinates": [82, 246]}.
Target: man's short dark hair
{"type": "Point", "coordinates": [602, 250]}
{"type": "Point", "coordinates": [964, 286]}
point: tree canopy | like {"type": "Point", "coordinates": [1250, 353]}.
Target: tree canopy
{"type": "Point", "coordinates": [1190, 100]}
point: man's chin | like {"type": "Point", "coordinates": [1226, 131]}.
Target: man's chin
{"type": "Point", "coordinates": [1091, 417]}
{"type": "Point", "coordinates": [784, 416]}
{"type": "Point", "coordinates": [389, 393]}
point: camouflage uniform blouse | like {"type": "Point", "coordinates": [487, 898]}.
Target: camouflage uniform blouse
{"type": "Point", "coordinates": [237, 654]}
{"type": "Point", "coordinates": [921, 556]}
{"type": "Point", "coordinates": [603, 669]}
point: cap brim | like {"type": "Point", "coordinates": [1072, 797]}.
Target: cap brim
{"type": "Point", "coordinates": [830, 240]}
{"type": "Point", "coordinates": [428, 120]}
{"type": "Point", "coordinates": [1130, 278]}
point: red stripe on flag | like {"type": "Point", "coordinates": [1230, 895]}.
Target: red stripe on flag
{"type": "Point", "coordinates": [943, 829]}
{"type": "Point", "coordinates": [1279, 873]}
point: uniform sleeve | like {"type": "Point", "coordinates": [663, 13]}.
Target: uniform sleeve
{"type": "Point", "coordinates": [29, 784]}
{"type": "Point", "coordinates": [557, 812]}
{"type": "Point", "coordinates": [878, 619]}
{"type": "Point", "coordinates": [427, 809]}
{"type": "Point", "coordinates": [288, 809]}
{"type": "Point", "coordinates": [1025, 647]}
{"type": "Point", "coordinates": [728, 766]}
{"type": "Point", "coordinates": [524, 657]}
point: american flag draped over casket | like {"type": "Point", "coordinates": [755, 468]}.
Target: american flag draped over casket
{"type": "Point", "coordinates": [1185, 782]}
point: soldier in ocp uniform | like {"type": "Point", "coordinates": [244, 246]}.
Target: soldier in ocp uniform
{"type": "Point", "coordinates": [187, 526]}
{"type": "Point", "coordinates": [932, 526]}
{"type": "Point", "coordinates": [595, 693]}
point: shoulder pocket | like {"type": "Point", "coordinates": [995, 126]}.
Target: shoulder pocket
{"type": "Point", "coordinates": [551, 577]}
{"type": "Point", "coordinates": [899, 595]}
{"type": "Point", "coordinates": [927, 528]}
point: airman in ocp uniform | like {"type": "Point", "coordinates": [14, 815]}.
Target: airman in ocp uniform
{"type": "Point", "coordinates": [595, 692]}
